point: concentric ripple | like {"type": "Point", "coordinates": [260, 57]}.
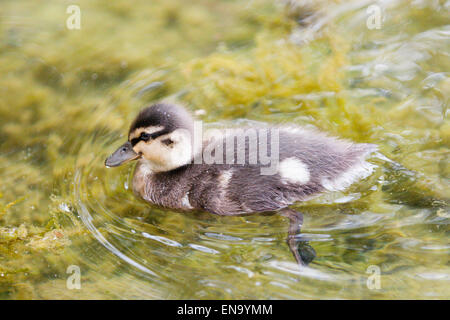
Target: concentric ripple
{"type": "Point", "coordinates": [234, 256]}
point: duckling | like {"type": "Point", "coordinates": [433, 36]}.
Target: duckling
{"type": "Point", "coordinates": [182, 169]}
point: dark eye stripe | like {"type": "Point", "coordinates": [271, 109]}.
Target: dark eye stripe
{"type": "Point", "coordinates": [135, 141]}
{"type": "Point", "coordinates": [154, 135]}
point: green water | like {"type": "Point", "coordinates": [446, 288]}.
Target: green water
{"type": "Point", "coordinates": [68, 96]}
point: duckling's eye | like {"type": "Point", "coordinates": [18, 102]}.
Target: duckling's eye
{"type": "Point", "coordinates": [167, 142]}
{"type": "Point", "coordinates": [145, 136]}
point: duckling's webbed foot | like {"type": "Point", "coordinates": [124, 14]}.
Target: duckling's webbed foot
{"type": "Point", "coordinates": [301, 250]}
{"type": "Point", "coordinates": [307, 253]}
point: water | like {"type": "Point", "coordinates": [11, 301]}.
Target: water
{"type": "Point", "coordinates": [68, 96]}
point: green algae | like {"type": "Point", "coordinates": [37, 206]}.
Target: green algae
{"type": "Point", "coordinates": [68, 95]}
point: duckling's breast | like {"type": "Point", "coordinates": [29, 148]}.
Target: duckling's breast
{"type": "Point", "coordinates": [167, 189]}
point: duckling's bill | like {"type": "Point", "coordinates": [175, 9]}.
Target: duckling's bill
{"type": "Point", "coordinates": [123, 154]}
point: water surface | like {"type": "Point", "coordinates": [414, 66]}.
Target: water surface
{"type": "Point", "coordinates": [68, 96]}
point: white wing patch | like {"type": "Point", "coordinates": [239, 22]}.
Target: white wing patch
{"type": "Point", "coordinates": [185, 201]}
{"type": "Point", "coordinates": [357, 172]}
{"type": "Point", "coordinates": [293, 170]}
{"type": "Point", "coordinates": [224, 178]}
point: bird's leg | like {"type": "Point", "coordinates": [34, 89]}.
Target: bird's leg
{"type": "Point", "coordinates": [305, 254]}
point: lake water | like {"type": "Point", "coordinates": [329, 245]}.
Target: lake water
{"type": "Point", "coordinates": [375, 72]}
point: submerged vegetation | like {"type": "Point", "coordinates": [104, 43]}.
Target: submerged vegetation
{"type": "Point", "coordinates": [67, 95]}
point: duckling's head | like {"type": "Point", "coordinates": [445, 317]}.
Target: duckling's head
{"type": "Point", "coordinates": [161, 135]}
